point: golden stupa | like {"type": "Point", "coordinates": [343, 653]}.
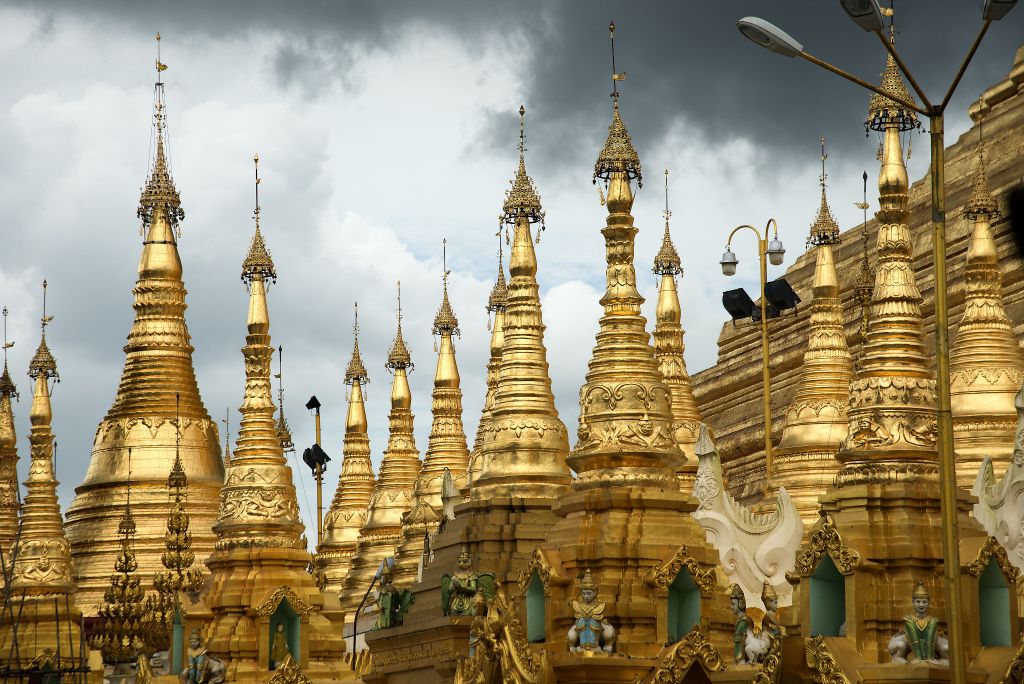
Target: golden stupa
{"type": "Point", "coordinates": [157, 395]}
{"type": "Point", "coordinates": [348, 510]}
{"type": "Point", "coordinates": [259, 568]}
{"type": "Point", "coordinates": [43, 619]}
{"type": "Point", "coordinates": [816, 421]}
{"type": "Point", "coordinates": [8, 454]}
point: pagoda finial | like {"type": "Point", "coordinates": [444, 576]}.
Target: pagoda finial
{"type": "Point", "coordinates": [356, 371]}
{"type": "Point", "coordinates": [667, 261]}
{"type": "Point", "coordinates": [258, 264]}
{"type": "Point", "coordinates": [399, 356]}
{"type": "Point", "coordinates": [522, 199]}
{"type": "Point", "coordinates": [7, 388]}
{"type": "Point", "coordinates": [824, 230]}
{"type": "Point", "coordinates": [43, 362]}
{"type": "Point", "coordinates": [160, 198]}
{"type": "Point", "coordinates": [227, 437]}
{"type": "Point", "coordinates": [884, 112]}
{"type": "Point", "coordinates": [177, 479]}
{"type": "Point", "coordinates": [498, 300]}
{"type": "Point", "coordinates": [445, 322]}
{"type": "Point", "coordinates": [981, 200]}
{"type": "Point", "coordinates": [618, 153]}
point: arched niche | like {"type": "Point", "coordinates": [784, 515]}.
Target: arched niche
{"type": "Point", "coordinates": [535, 609]}
{"type": "Point", "coordinates": [284, 615]}
{"type": "Point", "coordinates": [828, 598]}
{"type": "Point", "coordinates": [683, 605]}
{"type": "Point", "coordinates": [994, 606]}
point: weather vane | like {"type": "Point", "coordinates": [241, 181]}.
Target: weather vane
{"type": "Point", "coordinates": [522, 129]}
{"type": "Point", "coordinates": [399, 303]}
{"type": "Point", "coordinates": [616, 76]}
{"type": "Point", "coordinates": [7, 345]}
{"type": "Point", "coordinates": [444, 262]}
{"type": "Point", "coordinates": [160, 66]}
{"type": "Point", "coordinates": [668, 214]}
{"type": "Point", "coordinates": [256, 212]}
{"type": "Point", "coordinates": [824, 156]}
{"type": "Point", "coordinates": [46, 319]}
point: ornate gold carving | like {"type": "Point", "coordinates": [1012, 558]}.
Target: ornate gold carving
{"type": "Point", "coordinates": [288, 672]}
{"type": "Point", "coordinates": [823, 663]}
{"type": "Point", "coordinates": [499, 639]}
{"type": "Point", "coordinates": [885, 473]}
{"type": "Point", "coordinates": [993, 549]}
{"type": "Point", "coordinates": [539, 564]}
{"type": "Point", "coordinates": [662, 576]}
{"type": "Point", "coordinates": [270, 604]}
{"type": "Point", "coordinates": [1015, 670]}
{"type": "Point", "coordinates": [692, 649]}
{"type": "Point", "coordinates": [825, 539]}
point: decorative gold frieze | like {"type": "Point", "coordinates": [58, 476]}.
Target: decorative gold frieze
{"type": "Point", "coordinates": [825, 539]}
{"type": "Point", "coordinates": [662, 576]}
{"type": "Point", "coordinates": [270, 604]}
{"type": "Point", "coordinates": [692, 649]}
{"type": "Point", "coordinates": [993, 549]}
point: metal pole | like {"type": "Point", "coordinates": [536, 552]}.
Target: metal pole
{"type": "Point", "coordinates": [947, 455]}
{"type": "Point", "coordinates": [762, 250]}
{"type": "Point", "coordinates": [319, 471]}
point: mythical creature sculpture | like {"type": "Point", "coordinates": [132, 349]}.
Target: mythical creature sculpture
{"type": "Point", "coordinates": [738, 603]}
{"type": "Point", "coordinates": [392, 602]}
{"type": "Point", "coordinates": [764, 631]}
{"type": "Point", "coordinates": [201, 667]}
{"type": "Point", "coordinates": [920, 639]}
{"type": "Point", "coordinates": [590, 632]}
{"type": "Point", "coordinates": [752, 547]}
{"type": "Point", "coordinates": [458, 589]}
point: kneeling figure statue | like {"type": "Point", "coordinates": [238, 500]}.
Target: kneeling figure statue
{"type": "Point", "coordinates": [920, 637]}
{"type": "Point", "coordinates": [591, 632]}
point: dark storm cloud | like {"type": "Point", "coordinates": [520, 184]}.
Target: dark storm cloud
{"type": "Point", "coordinates": [684, 59]}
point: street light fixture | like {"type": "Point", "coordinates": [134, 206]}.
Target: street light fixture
{"type": "Point", "coordinates": [863, 12]}
{"type": "Point", "coordinates": [766, 250]}
{"type": "Point", "coordinates": [866, 13]}
{"type": "Point", "coordinates": [768, 35]}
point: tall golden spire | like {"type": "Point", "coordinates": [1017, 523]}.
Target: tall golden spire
{"type": "Point", "coordinates": [42, 591]}
{"type": "Point", "coordinates": [157, 368]}
{"type": "Point", "coordinates": [625, 522]}
{"type": "Point", "coordinates": [260, 560]}
{"type": "Point", "coordinates": [347, 513]}
{"type": "Point", "coordinates": [624, 436]}
{"type": "Point", "coordinates": [42, 559]}
{"type": "Point", "coordinates": [446, 448]}
{"type": "Point", "coordinates": [865, 284]}
{"type": "Point", "coordinates": [392, 495]}
{"type": "Point", "coordinates": [8, 453]}
{"type": "Point", "coordinates": [669, 351]}
{"type": "Point", "coordinates": [524, 446]}
{"type": "Point", "coordinates": [986, 364]}
{"type": "Point", "coordinates": [497, 303]}
{"type": "Point", "coordinates": [816, 421]}
{"type": "Point", "coordinates": [892, 398]}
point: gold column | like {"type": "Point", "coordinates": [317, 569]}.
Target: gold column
{"type": "Point", "coordinates": [157, 369]}
{"type": "Point", "coordinates": [986, 363]}
{"type": "Point", "coordinates": [42, 591]}
{"type": "Point", "coordinates": [392, 495]}
{"type": "Point", "coordinates": [8, 459]}
{"type": "Point", "coordinates": [261, 559]}
{"type": "Point", "coordinates": [525, 445]}
{"type": "Point", "coordinates": [816, 421]}
{"type": "Point", "coordinates": [669, 351]}
{"type": "Point", "coordinates": [347, 514]}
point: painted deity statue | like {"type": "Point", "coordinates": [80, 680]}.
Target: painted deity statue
{"type": "Point", "coordinates": [919, 639]}
{"type": "Point", "coordinates": [759, 637]}
{"type": "Point", "coordinates": [201, 667]}
{"type": "Point", "coordinates": [458, 589]}
{"type": "Point", "coordinates": [279, 648]}
{"type": "Point", "coordinates": [392, 602]}
{"type": "Point", "coordinates": [738, 603]}
{"type": "Point", "coordinates": [590, 632]}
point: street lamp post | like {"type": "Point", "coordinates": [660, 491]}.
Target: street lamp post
{"type": "Point", "coordinates": [767, 250]}
{"type": "Point", "coordinates": [868, 15]}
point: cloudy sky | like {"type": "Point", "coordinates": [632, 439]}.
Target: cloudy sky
{"type": "Point", "coordinates": [384, 128]}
